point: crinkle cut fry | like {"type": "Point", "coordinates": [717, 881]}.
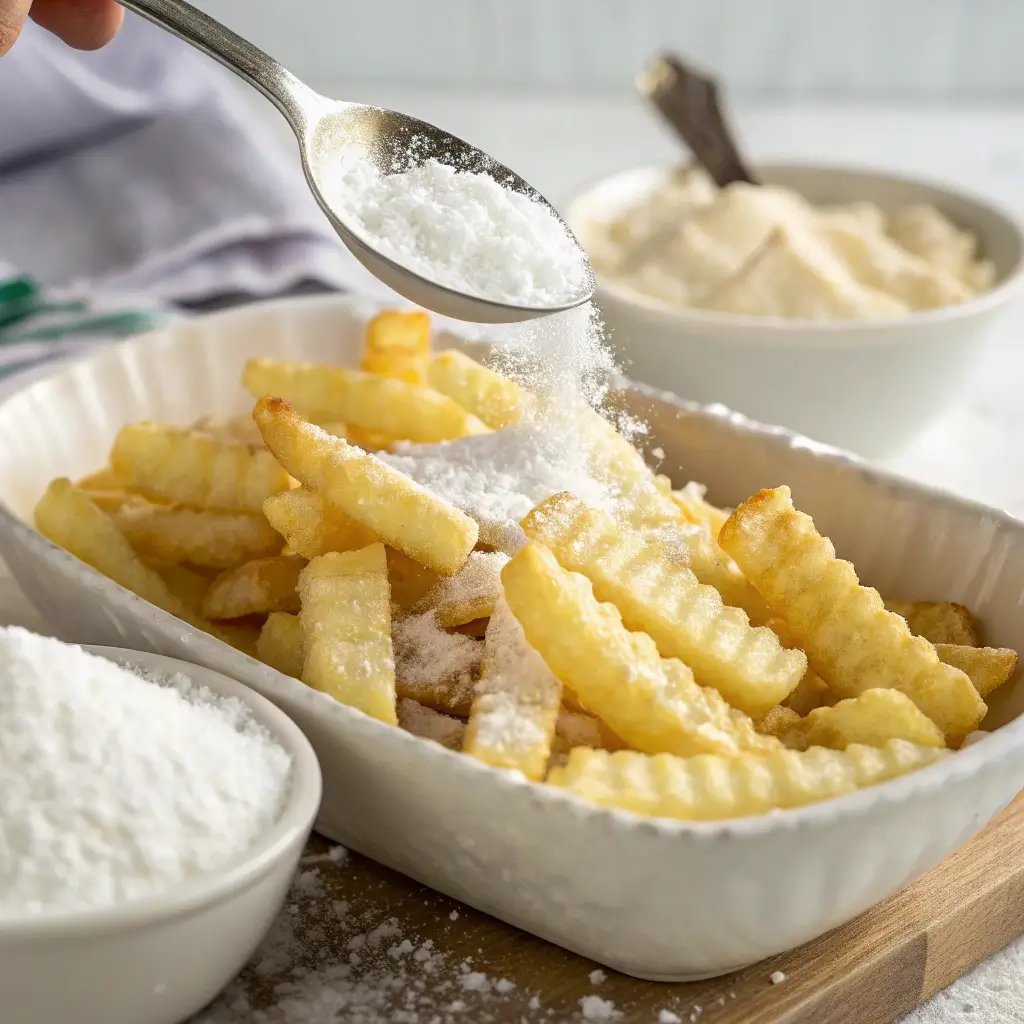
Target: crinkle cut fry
{"type": "Point", "coordinates": [191, 468]}
{"type": "Point", "coordinates": [494, 399]}
{"type": "Point", "coordinates": [655, 595]}
{"type": "Point", "coordinates": [281, 644]}
{"type": "Point", "coordinates": [652, 703]}
{"type": "Point", "coordinates": [66, 516]}
{"type": "Point", "coordinates": [389, 504]}
{"type": "Point", "coordinates": [366, 400]}
{"type": "Point", "coordinates": [646, 508]}
{"type": "Point", "coordinates": [398, 345]}
{"type": "Point", "coordinates": [258, 587]}
{"type": "Point", "coordinates": [849, 637]}
{"type": "Point", "coordinates": [871, 719]}
{"type": "Point", "coordinates": [711, 787]}
{"type": "Point", "coordinates": [514, 714]}
{"type": "Point", "coordinates": [199, 536]}
{"type": "Point", "coordinates": [312, 526]}
{"type": "Point", "coordinates": [346, 628]}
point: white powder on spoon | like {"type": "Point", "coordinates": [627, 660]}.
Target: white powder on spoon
{"type": "Point", "coordinates": [461, 230]}
{"type": "Point", "coordinates": [114, 787]}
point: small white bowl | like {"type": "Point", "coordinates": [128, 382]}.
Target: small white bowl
{"type": "Point", "coordinates": [160, 960]}
{"type": "Point", "coordinates": [867, 386]}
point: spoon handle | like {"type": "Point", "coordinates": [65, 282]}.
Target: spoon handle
{"type": "Point", "coordinates": [280, 86]}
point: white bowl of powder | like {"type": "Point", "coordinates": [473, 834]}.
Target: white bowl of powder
{"type": "Point", "coordinates": [151, 821]}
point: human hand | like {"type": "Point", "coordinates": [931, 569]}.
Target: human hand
{"type": "Point", "coordinates": [83, 24]}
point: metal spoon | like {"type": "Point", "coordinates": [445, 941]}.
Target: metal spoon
{"type": "Point", "coordinates": [324, 127]}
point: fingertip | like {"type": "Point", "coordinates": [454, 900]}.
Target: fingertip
{"type": "Point", "coordinates": [82, 24]}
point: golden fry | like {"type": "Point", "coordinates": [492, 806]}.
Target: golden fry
{"type": "Point", "coordinates": [66, 516]}
{"type": "Point", "coordinates": [255, 588]}
{"type": "Point", "coordinates": [410, 581]}
{"type": "Point", "coordinates": [281, 645]}
{"type": "Point", "coordinates": [114, 501]}
{"type": "Point", "coordinates": [346, 628]}
{"type": "Point", "coordinates": [102, 480]}
{"type": "Point", "coordinates": [470, 594]}
{"type": "Point", "coordinates": [312, 526]}
{"type": "Point", "coordinates": [435, 667]}
{"type": "Point", "coordinates": [652, 703]}
{"type": "Point", "coordinates": [699, 511]}
{"type": "Point", "coordinates": [873, 718]}
{"type": "Point", "coordinates": [398, 345]}
{"type": "Point", "coordinates": [518, 699]}
{"type": "Point", "coordinates": [360, 399]}
{"type": "Point", "coordinates": [658, 596]}
{"type": "Point", "coordinates": [939, 622]}
{"type": "Point", "coordinates": [777, 721]}
{"type": "Point", "coordinates": [812, 691]}
{"type": "Point", "coordinates": [986, 667]}
{"type": "Point", "coordinates": [647, 508]}
{"type": "Point", "coordinates": [851, 640]}
{"type": "Point", "coordinates": [219, 540]}
{"type": "Point", "coordinates": [492, 398]}
{"type": "Point", "coordinates": [369, 440]}
{"type": "Point", "coordinates": [389, 504]}
{"type": "Point", "coordinates": [187, 583]}
{"type": "Point", "coordinates": [230, 430]}
{"type": "Point", "coordinates": [190, 468]}
{"type": "Point", "coordinates": [709, 788]}
{"type": "Point", "coordinates": [429, 724]}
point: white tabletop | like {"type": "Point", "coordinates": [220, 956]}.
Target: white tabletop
{"type": "Point", "coordinates": [562, 143]}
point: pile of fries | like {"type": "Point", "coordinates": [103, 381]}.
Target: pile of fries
{"type": "Point", "coordinates": [667, 657]}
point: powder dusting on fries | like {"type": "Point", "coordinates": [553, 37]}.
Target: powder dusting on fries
{"type": "Point", "coordinates": [622, 655]}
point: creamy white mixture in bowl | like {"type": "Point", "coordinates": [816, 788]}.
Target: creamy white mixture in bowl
{"type": "Point", "coordinates": [850, 305]}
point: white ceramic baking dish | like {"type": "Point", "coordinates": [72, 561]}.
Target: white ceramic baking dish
{"type": "Point", "coordinates": [656, 899]}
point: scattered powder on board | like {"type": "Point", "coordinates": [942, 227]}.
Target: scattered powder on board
{"type": "Point", "coordinates": [331, 962]}
{"type": "Point", "coordinates": [147, 783]}
{"type": "Point", "coordinates": [462, 230]}
{"type": "Point", "coordinates": [596, 1008]}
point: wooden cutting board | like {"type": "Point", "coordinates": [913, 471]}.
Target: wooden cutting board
{"type": "Point", "coordinates": [870, 971]}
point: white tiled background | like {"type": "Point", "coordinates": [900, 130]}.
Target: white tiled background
{"type": "Point", "coordinates": [935, 49]}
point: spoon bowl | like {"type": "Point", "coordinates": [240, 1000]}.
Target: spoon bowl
{"type": "Point", "coordinates": [391, 142]}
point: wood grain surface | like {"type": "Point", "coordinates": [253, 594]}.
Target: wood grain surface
{"type": "Point", "coordinates": [870, 971]}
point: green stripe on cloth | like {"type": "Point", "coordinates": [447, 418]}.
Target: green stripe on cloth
{"type": "Point", "coordinates": [36, 327]}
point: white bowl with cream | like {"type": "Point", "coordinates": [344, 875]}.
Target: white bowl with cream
{"type": "Point", "coordinates": [855, 366]}
{"type": "Point", "coordinates": [160, 959]}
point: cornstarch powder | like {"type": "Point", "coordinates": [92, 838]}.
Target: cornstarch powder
{"type": "Point", "coordinates": [462, 230]}
{"type": "Point", "coordinates": [114, 787]}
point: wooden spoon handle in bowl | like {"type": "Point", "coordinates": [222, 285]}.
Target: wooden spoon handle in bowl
{"type": "Point", "coordinates": [688, 100]}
